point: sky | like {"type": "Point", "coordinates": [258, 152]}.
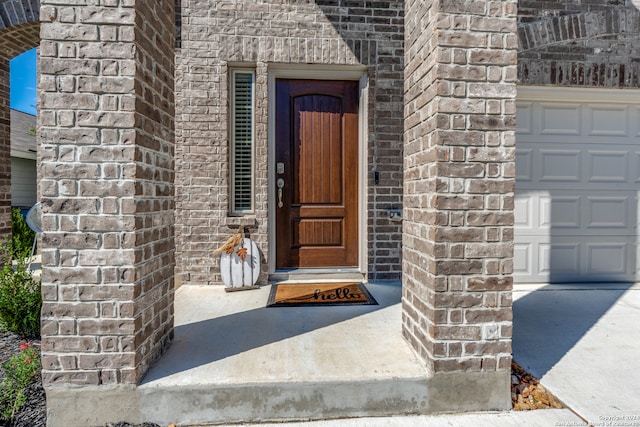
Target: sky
{"type": "Point", "coordinates": [23, 82]}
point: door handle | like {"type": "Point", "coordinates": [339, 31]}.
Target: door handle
{"type": "Point", "coordinates": [280, 184]}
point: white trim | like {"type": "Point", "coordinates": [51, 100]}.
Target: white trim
{"type": "Point", "coordinates": [577, 95]}
{"type": "Point", "coordinates": [320, 72]}
{"type": "Point", "coordinates": [363, 166]}
{"type": "Point", "coordinates": [311, 275]}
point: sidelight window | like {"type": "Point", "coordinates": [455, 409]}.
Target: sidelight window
{"type": "Point", "coordinates": [242, 140]}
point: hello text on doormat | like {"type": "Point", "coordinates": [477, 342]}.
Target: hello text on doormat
{"type": "Point", "coordinates": [319, 294]}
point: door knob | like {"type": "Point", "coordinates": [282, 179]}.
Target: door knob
{"type": "Point", "coordinates": [280, 184]}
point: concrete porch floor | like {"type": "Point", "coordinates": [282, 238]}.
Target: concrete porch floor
{"type": "Point", "coordinates": [235, 360]}
{"type": "Point", "coordinates": [232, 338]}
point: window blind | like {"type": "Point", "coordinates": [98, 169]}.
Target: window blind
{"type": "Point", "coordinates": [242, 141]}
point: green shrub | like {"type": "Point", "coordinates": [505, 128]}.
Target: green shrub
{"type": "Point", "coordinates": [20, 300]}
{"type": "Point", "coordinates": [22, 235]}
{"type": "Point", "coordinates": [19, 372]}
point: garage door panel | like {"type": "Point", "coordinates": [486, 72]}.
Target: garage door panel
{"type": "Point", "coordinates": [567, 260]}
{"type": "Point", "coordinates": [523, 259]}
{"type": "Point", "coordinates": [524, 213]}
{"type": "Point", "coordinates": [524, 118]}
{"type": "Point", "coordinates": [524, 165]}
{"type": "Point", "coordinates": [635, 162]}
{"type": "Point", "coordinates": [560, 119]}
{"type": "Point", "coordinates": [635, 119]}
{"type": "Point", "coordinates": [608, 120]}
{"type": "Point", "coordinates": [562, 168]}
{"type": "Point", "coordinates": [608, 166]}
{"type": "Point", "coordinates": [560, 165]}
{"type": "Point", "coordinates": [599, 187]}
{"type": "Point", "coordinates": [608, 212]}
{"type": "Point", "coordinates": [560, 212]}
{"type": "Point", "coordinates": [594, 259]}
{"type": "Point", "coordinates": [559, 258]}
{"type": "Point", "coordinates": [607, 258]}
{"type": "Point", "coordinates": [526, 260]}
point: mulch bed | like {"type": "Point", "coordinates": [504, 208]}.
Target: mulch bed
{"type": "Point", "coordinates": [34, 411]}
{"type": "Point", "coordinates": [527, 393]}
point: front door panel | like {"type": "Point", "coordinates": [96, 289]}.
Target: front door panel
{"type": "Point", "coordinates": [317, 163]}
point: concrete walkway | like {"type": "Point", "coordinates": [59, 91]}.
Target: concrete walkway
{"type": "Point", "coordinates": [542, 418]}
{"type": "Point", "coordinates": [582, 342]}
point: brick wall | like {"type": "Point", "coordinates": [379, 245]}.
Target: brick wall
{"type": "Point", "coordinates": [217, 33]}
{"type": "Point", "coordinates": [460, 91]}
{"type": "Point", "coordinates": [577, 43]}
{"type": "Point", "coordinates": [106, 135]}
{"type": "Point", "coordinates": [155, 173]}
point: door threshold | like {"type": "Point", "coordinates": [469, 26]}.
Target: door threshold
{"type": "Point", "coordinates": [314, 275]}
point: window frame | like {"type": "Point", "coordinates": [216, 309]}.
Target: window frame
{"type": "Point", "coordinates": [233, 208]}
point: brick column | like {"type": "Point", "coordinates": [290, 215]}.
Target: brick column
{"type": "Point", "coordinates": [5, 150]}
{"type": "Point", "coordinates": [460, 93]}
{"type": "Point", "coordinates": [107, 140]}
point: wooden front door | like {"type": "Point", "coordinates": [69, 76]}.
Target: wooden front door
{"type": "Point", "coordinates": [316, 173]}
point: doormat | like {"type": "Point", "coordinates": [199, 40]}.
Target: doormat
{"type": "Point", "coordinates": [319, 294]}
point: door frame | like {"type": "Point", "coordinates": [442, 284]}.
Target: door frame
{"type": "Point", "coordinates": [319, 72]}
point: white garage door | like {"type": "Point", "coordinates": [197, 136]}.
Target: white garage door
{"type": "Point", "coordinates": [577, 182]}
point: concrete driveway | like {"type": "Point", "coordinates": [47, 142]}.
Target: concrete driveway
{"type": "Point", "coordinates": [583, 343]}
